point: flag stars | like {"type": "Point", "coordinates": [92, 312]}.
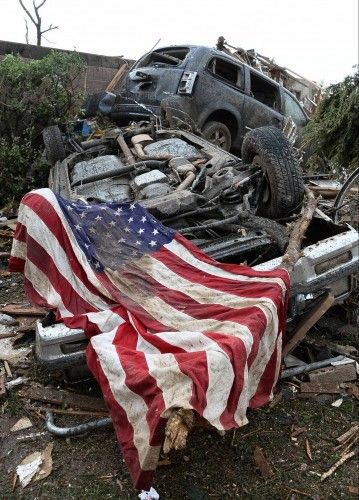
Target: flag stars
{"type": "Point", "coordinates": [97, 265]}
{"type": "Point", "coordinates": [78, 227]}
{"type": "Point", "coordinates": [141, 230]}
{"type": "Point", "coordinates": [98, 218]}
{"type": "Point", "coordinates": [132, 206]}
{"type": "Point", "coordinates": [138, 243]}
{"type": "Point", "coordinates": [83, 215]}
{"type": "Point", "coordinates": [154, 232]}
{"type": "Point", "coordinates": [130, 219]}
{"type": "Point", "coordinates": [127, 230]}
{"type": "Point", "coordinates": [121, 240]}
{"type": "Point", "coordinates": [153, 243]}
{"type": "Point", "coordinates": [112, 223]}
{"type": "Point", "coordinates": [143, 219]}
{"type": "Point", "coordinates": [118, 211]}
{"type": "Point", "coordinates": [92, 230]}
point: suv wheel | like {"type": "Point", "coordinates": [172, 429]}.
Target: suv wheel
{"type": "Point", "coordinates": [54, 145]}
{"type": "Point", "coordinates": [281, 190]}
{"type": "Point", "coordinates": [218, 133]}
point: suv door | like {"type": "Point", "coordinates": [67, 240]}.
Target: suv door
{"type": "Point", "coordinates": [262, 104]}
{"type": "Point", "coordinates": [220, 89]}
{"type": "Point", "coordinates": [293, 109]}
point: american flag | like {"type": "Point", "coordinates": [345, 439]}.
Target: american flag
{"type": "Point", "coordinates": [169, 327]}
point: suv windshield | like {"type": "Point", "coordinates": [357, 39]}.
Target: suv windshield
{"type": "Point", "coordinates": [164, 57]}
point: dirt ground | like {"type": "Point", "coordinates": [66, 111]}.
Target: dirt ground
{"type": "Point", "coordinates": [212, 466]}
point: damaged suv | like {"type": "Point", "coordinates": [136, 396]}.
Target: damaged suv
{"type": "Point", "coordinates": [236, 210]}
{"type": "Point", "coordinates": [205, 89]}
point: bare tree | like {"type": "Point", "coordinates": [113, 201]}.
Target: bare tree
{"type": "Point", "coordinates": [36, 21]}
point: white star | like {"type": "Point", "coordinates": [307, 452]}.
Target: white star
{"type": "Point", "coordinates": [82, 215]}
{"type": "Point", "coordinates": [143, 219]}
{"type": "Point", "coordinates": [92, 230]}
{"type": "Point", "coordinates": [69, 207]}
{"type": "Point", "coordinates": [130, 219]}
{"type": "Point", "coordinates": [78, 227]}
{"type": "Point", "coordinates": [118, 211]}
{"type": "Point", "coordinates": [153, 243]}
{"type": "Point", "coordinates": [141, 230]}
{"type": "Point", "coordinates": [127, 230]}
{"type": "Point", "coordinates": [121, 240]}
{"type": "Point", "coordinates": [98, 217]}
{"type": "Point", "coordinates": [97, 265]}
{"type": "Point", "coordinates": [108, 234]}
{"type": "Point", "coordinates": [155, 232]}
{"type": "Point", "coordinates": [138, 243]}
{"type": "Point", "coordinates": [103, 208]}
{"type": "Point", "coordinates": [112, 223]}
{"type": "Point", "coordinates": [132, 206]}
{"type": "Point", "coordinates": [87, 246]}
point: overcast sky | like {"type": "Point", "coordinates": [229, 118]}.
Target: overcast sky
{"type": "Point", "coordinates": [316, 38]}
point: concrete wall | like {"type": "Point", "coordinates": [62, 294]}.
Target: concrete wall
{"type": "Point", "coordinates": [99, 72]}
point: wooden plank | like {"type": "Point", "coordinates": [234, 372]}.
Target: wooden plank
{"type": "Point", "coordinates": [117, 78]}
{"type": "Point", "coordinates": [318, 388]}
{"type": "Point", "coordinates": [63, 398]}
{"type": "Point", "coordinates": [21, 310]}
{"type": "Point", "coordinates": [308, 321]}
{"type": "Point", "coordinates": [2, 387]}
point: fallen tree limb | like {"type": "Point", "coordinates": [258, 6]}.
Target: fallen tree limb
{"type": "Point", "coordinates": [337, 464]}
{"type": "Point", "coordinates": [293, 252]}
{"type": "Point", "coordinates": [178, 426]}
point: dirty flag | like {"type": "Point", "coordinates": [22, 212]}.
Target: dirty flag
{"type": "Point", "coordinates": [168, 326]}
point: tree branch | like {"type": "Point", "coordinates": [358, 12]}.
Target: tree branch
{"type": "Point", "coordinates": [49, 29]}
{"type": "Point", "coordinates": [27, 12]}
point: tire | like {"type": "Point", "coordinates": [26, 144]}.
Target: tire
{"type": "Point", "coordinates": [54, 145]}
{"type": "Point", "coordinates": [282, 187]}
{"type": "Point", "coordinates": [219, 134]}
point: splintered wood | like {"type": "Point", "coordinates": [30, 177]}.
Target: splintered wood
{"type": "Point", "coordinates": [178, 426]}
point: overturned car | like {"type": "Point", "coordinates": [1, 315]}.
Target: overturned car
{"type": "Point", "coordinates": [236, 210]}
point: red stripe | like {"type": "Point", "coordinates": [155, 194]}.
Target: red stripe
{"type": "Point", "coordinates": [54, 223]}
{"type": "Point", "coordinates": [16, 265]}
{"type": "Point", "coordinates": [72, 301]}
{"type": "Point", "coordinates": [123, 428]}
{"type": "Point", "coordinates": [233, 268]}
{"type": "Point", "coordinates": [245, 289]}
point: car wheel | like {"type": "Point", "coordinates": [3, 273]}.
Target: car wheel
{"type": "Point", "coordinates": [218, 133]}
{"type": "Point", "coordinates": [54, 144]}
{"type": "Point", "coordinates": [281, 189]}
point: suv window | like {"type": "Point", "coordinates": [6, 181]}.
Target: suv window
{"type": "Point", "coordinates": [292, 109]}
{"type": "Point", "coordinates": [231, 73]}
{"type": "Point", "coordinates": [263, 91]}
{"type": "Point", "coordinates": [164, 57]}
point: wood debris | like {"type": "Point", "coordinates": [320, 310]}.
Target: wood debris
{"type": "Point", "coordinates": [61, 398]}
{"type": "Point", "coordinates": [36, 466]}
{"type": "Point", "coordinates": [262, 463]}
{"type": "Point", "coordinates": [308, 450]}
{"type": "Point", "coordinates": [320, 388]}
{"type": "Point", "coordinates": [21, 310]}
{"type": "Point", "coordinates": [337, 464]}
{"type": "Point", "coordinates": [178, 426]}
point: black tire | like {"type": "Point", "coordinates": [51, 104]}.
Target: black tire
{"type": "Point", "coordinates": [282, 188]}
{"type": "Point", "coordinates": [54, 144]}
{"type": "Point", "coordinates": [219, 134]}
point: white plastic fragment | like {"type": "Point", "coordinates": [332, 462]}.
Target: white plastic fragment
{"type": "Point", "coordinates": [337, 402]}
{"type": "Point", "coordinates": [29, 467]}
{"type": "Point", "coordinates": [23, 423]}
{"type": "Point", "coordinates": [149, 495]}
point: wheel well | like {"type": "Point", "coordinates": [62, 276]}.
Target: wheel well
{"type": "Point", "coordinates": [224, 117]}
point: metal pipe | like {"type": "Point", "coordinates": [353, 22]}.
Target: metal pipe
{"type": "Point", "coordinates": [209, 225]}
{"type": "Point", "coordinates": [125, 150]}
{"type": "Point", "coordinates": [77, 429]}
{"type": "Point", "coordinates": [297, 370]}
{"type": "Point", "coordinates": [190, 177]}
